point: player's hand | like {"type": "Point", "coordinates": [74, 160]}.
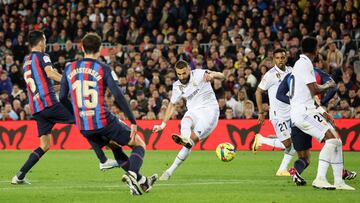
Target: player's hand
{"type": "Point", "coordinates": [158, 128]}
{"type": "Point", "coordinates": [133, 132]}
{"type": "Point", "coordinates": [208, 77]}
{"type": "Point", "coordinates": [331, 84]}
{"type": "Point", "coordinates": [261, 119]}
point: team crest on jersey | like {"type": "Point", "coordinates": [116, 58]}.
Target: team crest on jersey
{"type": "Point", "coordinates": [278, 75]}
{"type": "Point", "coordinates": [182, 87]}
{"type": "Point", "coordinates": [47, 59]}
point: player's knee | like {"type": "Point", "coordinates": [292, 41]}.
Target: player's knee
{"type": "Point", "coordinates": [45, 146]}
{"type": "Point", "coordinates": [139, 142]}
{"type": "Point", "coordinates": [287, 143]}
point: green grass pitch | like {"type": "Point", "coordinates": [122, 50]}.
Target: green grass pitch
{"type": "Point", "coordinates": [74, 176]}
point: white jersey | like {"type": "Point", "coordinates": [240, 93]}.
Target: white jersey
{"type": "Point", "coordinates": [198, 93]}
{"type": "Point", "coordinates": [300, 95]}
{"type": "Point", "coordinates": [270, 82]}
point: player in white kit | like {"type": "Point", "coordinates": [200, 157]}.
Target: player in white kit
{"type": "Point", "coordinates": [202, 113]}
{"type": "Point", "coordinates": [310, 120]}
{"type": "Point", "coordinates": [279, 111]}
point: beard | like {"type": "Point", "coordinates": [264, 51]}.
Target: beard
{"type": "Point", "coordinates": [185, 81]}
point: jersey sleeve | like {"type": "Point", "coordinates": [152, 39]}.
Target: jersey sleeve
{"type": "Point", "coordinates": [113, 84]}
{"type": "Point", "coordinates": [176, 94]}
{"type": "Point", "coordinates": [265, 82]}
{"type": "Point", "coordinates": [309, 73]}
{"type": "Point", "coordinates": [64, 92]}
{"type": "Point", "coordinates": [45, 60]}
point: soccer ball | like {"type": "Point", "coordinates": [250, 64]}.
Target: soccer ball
{"type": "Point", "coordinates": [225, 151]}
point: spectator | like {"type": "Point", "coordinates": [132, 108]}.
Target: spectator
{"type": "Point", "coordinates": [229, 114]}
{"type": "Point", "coordinates": [5, 83]}
{"type": "Point", "coordinates": [16, 76]}
{"type": "Point", "coordinates": [8, 114]}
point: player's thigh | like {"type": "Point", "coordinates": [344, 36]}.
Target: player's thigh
{"type": "Point", "coordinates": [282, 129]}
{"type": "Point", "coordinates": [118, 132]}
{"type": "Point", "coordinates": [314, 124]}
{"type": "Point", "coordinates": [60, 114]}
{"type": "Point", "coordinates": [44, 125]}
{"type": "Point", "coordinates": [301, 141]}
{"type": "Point", "coordinates": [206, 123]}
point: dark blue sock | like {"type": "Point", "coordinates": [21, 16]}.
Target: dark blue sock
{"type": "Point", "coordinates": [136, 160]}
{"type": "Point", "coordinates": [300, 165]}
{"type": "Point", "coordinates": [121, 158]}
{"type": "Point", "coordinates": [98, 151]}
{"type": "Point", "coordinates": [32, 160]}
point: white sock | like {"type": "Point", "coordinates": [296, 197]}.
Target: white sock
{"type": "Point", "coordinates": [181, 156]}
{"type": "Point", "coordinates": [288, 155]}
{"type": "Point", "coordinates": [274, 142]}
{"type": "Point", "coordinates": [337, 164]}
{"type": "Point", "coordinates": [325, 157]}
{"type": "Point", "coordinates": [186, 124]}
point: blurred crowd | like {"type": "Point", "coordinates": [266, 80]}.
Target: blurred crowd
{"type": "Point", "coordinates": [147, 37]}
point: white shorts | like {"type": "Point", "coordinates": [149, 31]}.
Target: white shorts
{"type": "Point", "coordinates": [282, 129]}
{"type": "Point", "coordinates": [313, 123]}
{"type": "Point", "coordinates": [204, 121]}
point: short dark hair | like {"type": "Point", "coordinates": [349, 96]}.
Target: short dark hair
{"type": "Point", "coordinates": [91, 43]}
{"type": "Point", "coordinates": [35, 37]}
{"type": "Point", "coordinates": [181, 64]}
{"type": "Point", "coordinates": [309, 45]}
{"type": "Point", "coordinates": [279, 50]}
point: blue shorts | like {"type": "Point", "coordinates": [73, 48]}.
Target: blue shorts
{"type": "Point", "coordinates": [47, 118]}
{"type": "Point", "coordinates": [301, 140]}
{"type": "Point", "coordinates": [115, 131]}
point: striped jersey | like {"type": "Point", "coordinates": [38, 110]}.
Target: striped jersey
{"type": "Point", "coordinates": [87, 82]}
{"type": "Point", "coordinates": [40, 87]}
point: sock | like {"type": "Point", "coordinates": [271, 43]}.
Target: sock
{"type": "Point", "coordinates": [121, 158]}
{"type": "Point", "coordinates": [186, 124]}
{"type": "Point", "coordinates": [136, 160]}
{"type": "Point", "coordinates": [274, 142]}
{"type": "Point", "coordinates": [32, 160]}
{"type": "Point", "coordinates": [181, 156]}
{"type": "Point", "coordinates": [98, 151]}
{"type": "Point", "coordinates": [288, 155]}
{"type": "Point", "coordinates": [325, 157]}
{"type": "Point", "coordinates": [300, 165]}
{"type": "Point", "coordinates": [337, 163]}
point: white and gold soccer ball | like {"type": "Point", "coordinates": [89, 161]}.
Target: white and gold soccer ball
{"type": "Point", "coordinates": [225, 151]}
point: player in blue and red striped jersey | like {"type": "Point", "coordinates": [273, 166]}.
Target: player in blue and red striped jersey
{"type": "Point", "coordinates": [45, 107]}
{"type": "Point", "coordinates": [87, 80]}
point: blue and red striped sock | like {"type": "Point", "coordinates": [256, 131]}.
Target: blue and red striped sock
{"type": "Point", "coordinates": [121, 158]}
{"type": "Point", "coordinates": [301, 164]}
{"type": "Point", "coordinates": [136, 160]}
{"type": "Point", "coordinates": [32, 160]}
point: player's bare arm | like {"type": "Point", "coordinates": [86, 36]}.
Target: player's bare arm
{"type": "Point", "coordinates": [52, 73]}
{"type": "Point", "coordinates": [169, 111]}
{"type": "Point", "coordinates": [211, 75]}
{"type": "Point", "coordinates": [317, 89]}
{"type": "Point", "coordinates": [259, 100]}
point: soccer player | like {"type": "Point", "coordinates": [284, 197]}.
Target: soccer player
{"type": "Point", "coordinates": [310, 120]}
{"type": "Point", "coordinates": [279, 111]}
{"type": "Point", "coordinates": [45, 107]}
{"type": "Point", "coordinates": [203, 109]}
{"type": "Point", "coordinates": [303, 142]}
{"type": "Point", "coordinates": [87, 80]}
